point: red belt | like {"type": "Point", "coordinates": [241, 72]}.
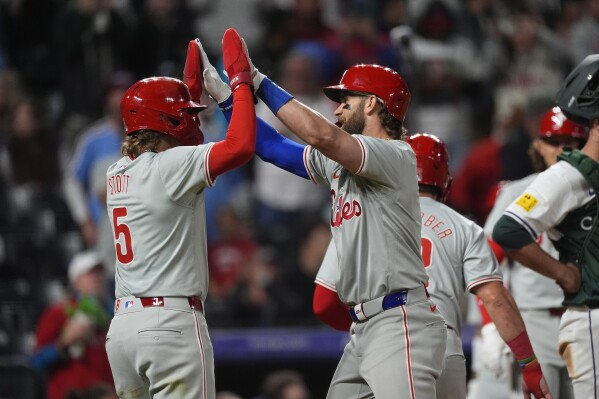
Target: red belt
{"type": "Point", "coordinates": [194, 302]}
{"type": "Point", "coordinates": [556, 312]}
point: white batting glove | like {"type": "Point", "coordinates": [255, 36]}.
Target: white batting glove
{"type": "Point", "coordinates": [257, 76]}
{"type": "Point", "coordinates": [214, 85]}
{"type": "Point", "coordinates": [496, 356]}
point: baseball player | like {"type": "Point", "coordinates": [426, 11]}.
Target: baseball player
{"type": "Point", "coordinates": [561, 201]}
{"type": "Point", "coordinates": [457, 259]}
{"type": "Point", "coordinates": [158, 343]}
{"type": "Point", "coordinates": [375, 224]}
{"type": "Point", "coordinates": [538, 297]}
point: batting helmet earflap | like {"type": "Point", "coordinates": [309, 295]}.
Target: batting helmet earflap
{"type": "Point", "coordinates": [578, 96]}
{"type": "Point", "coordinates": [164, 105]}
{"type": "Point", "coordinates": [554, 123]}
{"type": "Point", "coordinates": [432, 161]}
{"type": "Point", "coordinates": [383, 82]}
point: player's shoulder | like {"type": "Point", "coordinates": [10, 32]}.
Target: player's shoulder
{"type": "Point", "coordinates": [512, 188]}
{"type": "Point", "coordinates": [560, 177]}
{"type": "Point", "coordinates": [398, 145]}
{"type": "Point", "coordinates": [118, 165]}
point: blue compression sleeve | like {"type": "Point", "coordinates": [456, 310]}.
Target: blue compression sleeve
{"type": "Point", "coordinates": [272, 147]}
{"type": "Point", "coordinates": [273, 95]}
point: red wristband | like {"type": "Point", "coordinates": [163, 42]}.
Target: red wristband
{"type": "Point", "coordinates": [522, 350]}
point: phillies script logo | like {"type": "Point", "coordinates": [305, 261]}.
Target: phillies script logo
{"type": "Point", "coordinates": [343, 210]}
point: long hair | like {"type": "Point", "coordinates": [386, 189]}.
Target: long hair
{"type": "Point", "coordinates": [140, 142]}
{"type": "Point", "coordinates": [392, 125]}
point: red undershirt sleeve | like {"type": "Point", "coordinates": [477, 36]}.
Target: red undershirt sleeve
{"type": "Point", "coordinates": [497, 250]}
{"type": "Point", "coordinates": [329, 309]}
{"type": "Point", "coordinates": [240, 142]}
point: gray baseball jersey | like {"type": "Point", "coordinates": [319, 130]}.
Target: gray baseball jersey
{"type": "Point", "coordinates": [374, 219]}
{"type": "Point", "coordinates": [457, 258]}
{"type": "Point", "coordinates": [376, 233]}
{"type": "Point", "coordinates": [530, 289]}
{"type": "Point", "coordinates": [158, 343]}
{"type": "Point", "coordinates": [156, 205]}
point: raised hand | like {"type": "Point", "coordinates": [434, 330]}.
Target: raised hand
{"type": "Point", "coordinates": [192, 72]}
{"type": "Point", "coordinates": [235, 60]}
{"type": "Point", "coordinates": [214, 85]}
{"type": "Point", "coordinates": [533, 383]}
{"type": "Point", "coordinates": [257, 76]}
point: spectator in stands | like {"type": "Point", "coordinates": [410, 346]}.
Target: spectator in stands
{"type": "Point", "coordinates": [227, 257]}
{"type": "Point", "coordinates": [284, 201]}
{"type": "Point", "coordinates": [161, 35]}
{"type": "Point", "coordinates": [100, 141]}
{"type": "Point", "coordinates": [357, 39]}
{"type": "Point", "coordinates": [298, 277]}
{"type": "Point", "coordinates": [70, 336]}
{"type": "Point", "coordinates": [257, 299]}
{"type": "Point", "coordinates": [29, 168]}
{"type": "Point", "coordinates": [584, 35]}
{"type": "Point", "coordinates": [284, 384]}
{"type": "Point", "coordinates": [442, 66]}
{"type": "Point", "coordinates": [11, 91]}
{"type": "Point", "coordinates": [91, 39]}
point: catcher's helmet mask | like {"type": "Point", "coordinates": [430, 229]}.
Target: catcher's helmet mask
{"type": "Point", "coordinates": [578, 96]}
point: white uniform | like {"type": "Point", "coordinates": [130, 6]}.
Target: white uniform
{"type": "Point", "coordinates": [156, 208]}
{"type": "Point", "coordinates": [457, 258]}
{"type": "Point", "coordinates": [561, 200]}
{"type": "Point", "coordinates": [376, 230]}
{"type": "Point", "coordinates": [538, 297]}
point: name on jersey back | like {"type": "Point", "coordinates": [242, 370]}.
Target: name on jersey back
{"type": "Point", "coordinates": [118, 184]}
{"type": "Point", "coordinates": [436, 225]}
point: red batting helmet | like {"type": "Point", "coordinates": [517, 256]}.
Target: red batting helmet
{"type": "Point", "coordinates": [164, 105]}
{"type": "Point", "coordinates": [432, 161]}
{"type": "Point", "coordinates": [554, 123]}
{"type": "Point", "coordinates": [383, 82]}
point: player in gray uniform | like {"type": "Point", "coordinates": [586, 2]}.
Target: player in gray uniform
{"type": "Point", "coordinates": [158, 343]}
{"type": "Point", "coordinates": [562, 201]}
{"type": "Point", "coordinates": [397, 344]}
{"type": "Point", "coordinates": [538, 297]}
{"type": "Point", "coordinates": [458, 260]}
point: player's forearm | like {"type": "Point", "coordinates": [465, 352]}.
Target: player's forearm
{"type": "Point", "coordinates": [502, 309]}
{"type": "Point", "coordinates": [535, 258]}
{"type": "Point", "coordinates": [240, 142]}
{"type": "Point", "coordinates": [272, 147]}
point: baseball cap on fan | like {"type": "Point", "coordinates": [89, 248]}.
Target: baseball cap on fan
{"type": "Point", "coordinates": [82, 263]}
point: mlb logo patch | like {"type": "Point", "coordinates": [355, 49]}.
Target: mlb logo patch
{"type": "Point", "coordinates": [128, 304]}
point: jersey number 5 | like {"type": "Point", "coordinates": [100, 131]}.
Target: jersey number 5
{"type": "Point", "coordinates": [121, 229]}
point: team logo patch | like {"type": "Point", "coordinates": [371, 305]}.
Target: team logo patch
{"type": "Point", "coordinates": [117, 305]}
{"type": "Point", "coordinates": [527, 202]}
{"type": "Point", "coordinates": [128, 304]}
